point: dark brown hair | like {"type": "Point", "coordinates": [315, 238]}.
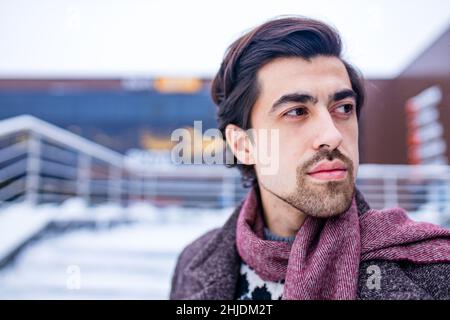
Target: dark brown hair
{"type": "Point", "coordinates": [235, 88]}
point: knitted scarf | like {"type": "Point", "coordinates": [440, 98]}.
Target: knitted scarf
{"type": "Point", "coordinates": [323, 261]}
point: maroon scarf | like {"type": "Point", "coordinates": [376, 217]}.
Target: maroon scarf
{"type": "Point", "coordinates": [323, 261]}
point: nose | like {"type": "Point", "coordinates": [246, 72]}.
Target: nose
{"type": "Point", "coordinates": [326, 133]}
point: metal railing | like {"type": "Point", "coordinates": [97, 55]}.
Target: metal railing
{"type": "Point", "coordinates": [418, 189]}
{"type": "Point", "coordinates": [40, 162]}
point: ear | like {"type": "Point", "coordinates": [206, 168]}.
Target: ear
{"type": "Point", "coordinates": [240, 144]}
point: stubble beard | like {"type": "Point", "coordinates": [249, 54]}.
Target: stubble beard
{"type": "Point", "coordinates": [322, 199]}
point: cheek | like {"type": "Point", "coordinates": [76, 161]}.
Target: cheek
{"type": "Point", "coordinates": [278, 167]}
{"type": "Point", "coordinates": [350, 145]}
{"type": "Point", "coordinates": [293, 149]}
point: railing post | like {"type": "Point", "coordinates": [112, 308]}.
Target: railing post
{"type": "Point", "coordinates": [114, 184]}
{"type": "Point", "coordinates": [135, 186]}
{"type": "Point", "coordinates": [84, 177]}
{"type": "Point", "coordinates": [390, 192]}
{"type": "Point", "coordinates": [149, 188]}
{"type": "Point", "coordinates": [228, 190]}
{"type": "Point", "coordinates": [33, 169]}
{"type": "Point", "coordinates": [141, 188]}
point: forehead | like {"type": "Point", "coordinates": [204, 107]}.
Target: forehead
{"type": "Point", "coordinates": [319, 76]}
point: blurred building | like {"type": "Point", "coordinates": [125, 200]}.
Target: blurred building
{"type": "Point", "coordinates": [384, 124]}
{"type": "Point", "coordinates": [118, 113]}
{"type": "Point", "coordinates": [125, 114]}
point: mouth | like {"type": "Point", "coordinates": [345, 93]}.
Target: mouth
{"type": "Point", "coordinates": [326, 171]}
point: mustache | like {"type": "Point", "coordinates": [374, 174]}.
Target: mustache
{"type": "Point", "coordinates": [330, 155]}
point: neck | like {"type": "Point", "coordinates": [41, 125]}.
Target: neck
{"type": "Point", "coordinates": [280, 217]}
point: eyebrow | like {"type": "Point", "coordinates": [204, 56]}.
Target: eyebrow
{"type": "Point", "coordinates": [303, 97]}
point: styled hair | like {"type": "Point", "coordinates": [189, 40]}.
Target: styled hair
{"type": "Point", "coordinates": [235, 88]}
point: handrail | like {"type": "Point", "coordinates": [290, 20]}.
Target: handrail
{"type": "Point", "coordinates": [13, 151]}
{"type": "Point", "coordinates": [94, 172]}
{"type": "Point", "coordinates": [61, 136]}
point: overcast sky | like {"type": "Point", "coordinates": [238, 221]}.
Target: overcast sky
{"type": "Point", "coordinates": [127, 38]}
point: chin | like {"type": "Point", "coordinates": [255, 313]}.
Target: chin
{"type": "Point", "coordinates": [324, 200]}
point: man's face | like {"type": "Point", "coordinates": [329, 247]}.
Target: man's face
{"type": "Point", "coordinates": [312, 106]}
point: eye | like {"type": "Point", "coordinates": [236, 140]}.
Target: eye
{"type": "Point", "coordinates": [345, 109]}
{"type": "Point", "coordinates": [297, 112]}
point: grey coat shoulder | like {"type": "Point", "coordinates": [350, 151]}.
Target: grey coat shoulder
{"type": "Point", "coordinates": [207, 268]}
{"type": "Point", "coordinates": [196, 246]}
{"type": "Point", "coordinates": [185, 258]}
{"type": "Point", "coordinates": [404, 280]}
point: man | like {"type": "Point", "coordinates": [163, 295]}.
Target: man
{"type": "Point", "coordinates": [304, 231]}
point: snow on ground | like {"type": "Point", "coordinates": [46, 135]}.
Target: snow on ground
{"type": "Point", "coordinates": [17, 223]}
{"type": "Point", "coordinates": [130, 261]}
